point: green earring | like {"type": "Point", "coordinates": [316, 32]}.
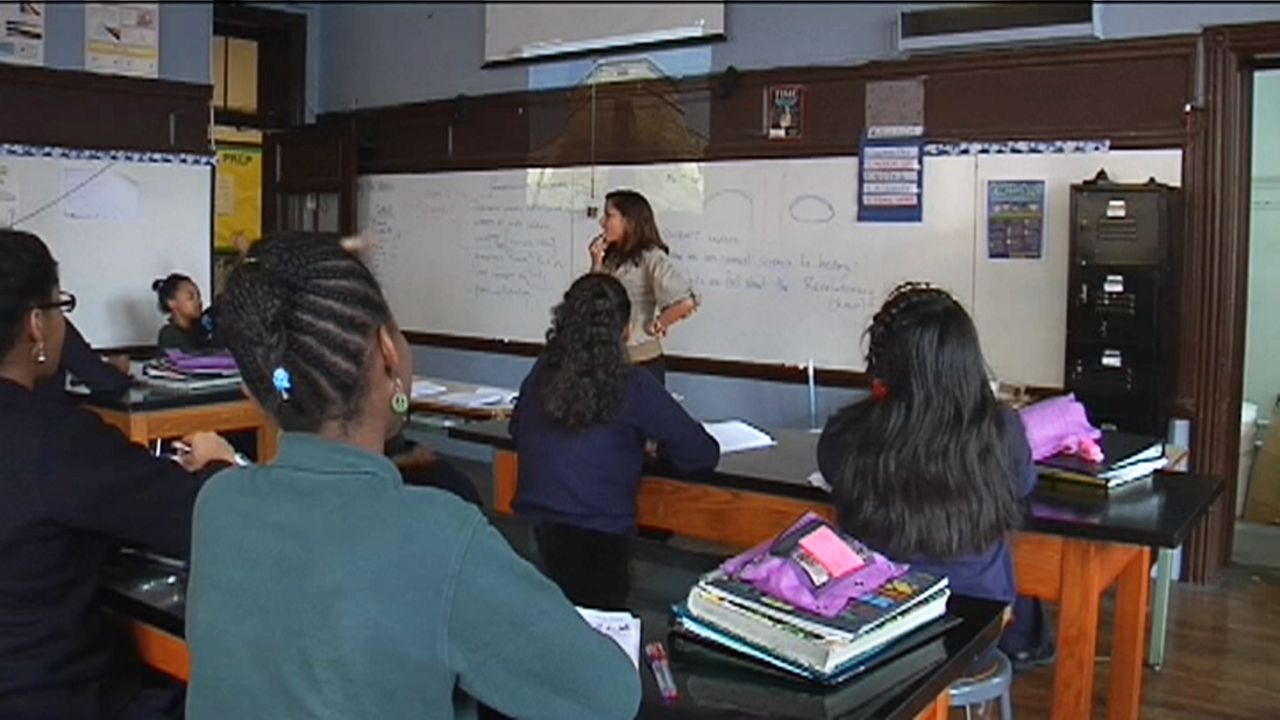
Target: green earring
{"type": "Point", "coordinates": [399, 401]}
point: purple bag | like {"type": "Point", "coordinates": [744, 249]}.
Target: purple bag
{"type": "Point", "coordinates": [781, 568]}
{"type": "Point", "coordinates": [1057, 425]}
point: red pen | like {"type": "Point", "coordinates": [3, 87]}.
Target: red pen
{"type": "Point", "coordinates": [657, 656]}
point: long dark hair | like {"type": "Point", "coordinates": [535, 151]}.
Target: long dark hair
{"type": "Point", "coordinates": [302, 305]}
{"type": "Point", "coordinates": [926, 471]}
{"type": "Point", "coordinates": [584, 369]}
{"type": "Point", "coordinates": [642, 229]}
{"type": "Point", "coordinates": [166, 287]}
{"type": "Point", "coordinates": [28, 277]}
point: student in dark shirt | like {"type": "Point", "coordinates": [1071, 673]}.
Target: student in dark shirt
{"type": "Point", "coordinates": [108, 376]}
{"type": "Point", "coordinates": [930, 469]}
{"type": "Point", "coordinates": [71, 489]}
{"type": "Point", "coordinates": [580, 424]}
{"type": "Point", "coordinates": [178, 296]}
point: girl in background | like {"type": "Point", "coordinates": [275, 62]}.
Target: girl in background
{"type": "Point", "coordinates": [581, 422]}
{"type": "Point", "coordinates": [630, 249]}
{"type": "Point", "coordinates": [930, 469]}
{"type": "Point", "coordinates": [178, 296]}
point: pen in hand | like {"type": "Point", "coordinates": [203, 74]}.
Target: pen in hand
{"type": "Point", "coordinates": [658, 663]}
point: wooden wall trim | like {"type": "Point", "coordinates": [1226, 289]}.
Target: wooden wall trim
{"type": "Point", "coordinates": [1079, 91]}
{"type": "Point", "coordinates": [1218, 189]}
{"type": "Point", "coordinates": [71, 108]}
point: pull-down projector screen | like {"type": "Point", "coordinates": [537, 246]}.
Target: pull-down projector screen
{"type": "Point", "coordinates": [527, 30]}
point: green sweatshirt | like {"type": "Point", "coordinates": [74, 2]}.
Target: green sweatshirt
{"type": "Point", "coordinates": [323, 587]}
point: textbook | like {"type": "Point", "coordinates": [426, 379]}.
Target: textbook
{"type": "Point", "coordinates": [796, 649]}
{"type": "Point", "coordinates": [1126, 457]}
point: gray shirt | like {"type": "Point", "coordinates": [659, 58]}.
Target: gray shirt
{"type": "Point", "coordinates": [653, 285]}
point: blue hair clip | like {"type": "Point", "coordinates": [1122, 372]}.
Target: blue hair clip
{"type": "Point", "coordinates": [280, 378]}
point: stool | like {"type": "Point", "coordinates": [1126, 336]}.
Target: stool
{"type": "Point", "coordinates": [990, 677]}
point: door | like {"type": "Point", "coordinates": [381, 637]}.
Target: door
{"type": "Point", "coordinates": [309, 179]}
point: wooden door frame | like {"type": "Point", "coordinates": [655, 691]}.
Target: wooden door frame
{"type": "Point", "coordinates": [1216, 167]}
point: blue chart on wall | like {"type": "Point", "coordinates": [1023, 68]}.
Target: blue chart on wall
{"type": "Point", "coordinates": [891, 179]}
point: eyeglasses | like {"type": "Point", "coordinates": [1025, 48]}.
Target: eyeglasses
{"type": "Point", "coordinates": [66, 302]}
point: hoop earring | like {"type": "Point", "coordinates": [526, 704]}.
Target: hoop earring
{"type": "Point", "coordinates": [399, 400]}
{"type": "Point", "coordinates": [38, 354]}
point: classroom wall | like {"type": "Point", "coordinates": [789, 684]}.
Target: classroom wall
{"type": "Point", "coordinates": [373, 54]}
{"type": "Point", "coordinates": [186, 32]}
{"type": "Point", "coordinates": [1262, 348]}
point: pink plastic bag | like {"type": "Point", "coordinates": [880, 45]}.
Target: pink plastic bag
{"type": "Point", "coordinates": [1060, 425]}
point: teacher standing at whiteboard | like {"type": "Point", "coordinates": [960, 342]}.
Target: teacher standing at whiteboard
{"type": "Point", "coordinates": [630, 248]}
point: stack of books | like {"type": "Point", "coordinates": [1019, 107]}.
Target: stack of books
{"type": "Point", "coordinates": [729, 612]}
{"type": "Point", "coordinates": [1126, 457]}
{"type": "Point", "coordinates": [183, 372]}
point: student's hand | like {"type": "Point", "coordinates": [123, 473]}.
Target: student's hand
{"type": "Point", "coordinates": [119, 362]}
{"type": "Point", "coordinates": [596, 249]}
{"type": "Point", "coordinates": [650, 449]}
{"type": "Point", "coordinates": [656, 329]}
{"type": "Point", "coordinates": [200, 449]}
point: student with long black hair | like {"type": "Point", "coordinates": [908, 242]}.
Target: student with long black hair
{"type": "Point", "coordinates": [581, 422]}
{"type": "Point", "coordinates": [322, 585]}
{"type": "Point", "coordinates": [930, 468]}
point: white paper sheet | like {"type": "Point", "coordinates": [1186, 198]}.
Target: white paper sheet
{"type": "Point", "coordinates": [621, 627]}
{"type": "Point", "coordinates": [737, 436]}
{"type": "Point", "coordinates": [423, 388]}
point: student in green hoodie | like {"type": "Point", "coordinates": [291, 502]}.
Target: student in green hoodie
{"type": "Point", "coordinates": [324, 587]}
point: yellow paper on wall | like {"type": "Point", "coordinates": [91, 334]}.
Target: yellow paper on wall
{"type": "Point", "coordinates": [237, 197]}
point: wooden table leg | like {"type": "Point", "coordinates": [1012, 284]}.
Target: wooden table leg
{"type": "Point", "coordinates": [504, 480]}
{"type": "Point", "coordinates": [1077, 631]}
{"type": "Point", "coordinates": [1128, 636]}
{"type": "Point", "coordinates": [939, 709]}
{"type": "Point", "coordinates": [268, 441]}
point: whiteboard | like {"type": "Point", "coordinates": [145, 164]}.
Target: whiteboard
{"type": "Point", "coordinates": [784, 270]}
{"type": "Point", "coordinates": [129, 224]}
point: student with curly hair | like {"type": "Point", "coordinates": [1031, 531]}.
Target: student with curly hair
{"type": "Point", "coordinates": [630, 248]}
{"type": "Point", "coordinates": [580, 424]}
{"type": "Point", "coordinates": [930, 468]}
{"type": "Point", "coordinates": [322, 586]}
{"type": "Point", "coordinates": [188, 328]}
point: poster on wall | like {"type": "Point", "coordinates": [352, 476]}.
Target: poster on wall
{"type": "Point", "coordinates": [122, 38]}
{"type": "Point", "coordinates": [237, 199]}
{"type": "Point", "coordinates": [784, 111]}
{"type": "Point", "coordinates": [891, 179]}
{"type": "Point", "coordinates": [1015, 219]}
{"type": "Point", "coordinates": [22, 36]}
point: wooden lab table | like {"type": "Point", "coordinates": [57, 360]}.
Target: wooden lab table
{"type": "Point", "coordinates": [1077, 542]}
{"type": "Point", "coordinates": [151, 600]}
{"type": "Point", "coordinates": [145, 414]}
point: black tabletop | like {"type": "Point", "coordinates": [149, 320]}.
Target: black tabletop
{"type": "Point", "coordinates": [712, 685]}
{"type": "Point", "coordinates": [142, 398]}
{"type": "Point", "coordinates": [1158, 512]}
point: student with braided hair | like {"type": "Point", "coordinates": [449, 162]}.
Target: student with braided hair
{"type": "Point", "coordinates": [930, 468]}
{"type": "Point", "coordinates": [322, 586]}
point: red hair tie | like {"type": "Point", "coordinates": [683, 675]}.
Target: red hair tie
{"type": "Point", "coordinates": [879, 391]}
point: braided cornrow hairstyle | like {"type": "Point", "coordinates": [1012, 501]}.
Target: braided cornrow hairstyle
{"type": "Point", "coordinates": [927, 470]}
{"type": "Point", "coordinates": [303, 304]}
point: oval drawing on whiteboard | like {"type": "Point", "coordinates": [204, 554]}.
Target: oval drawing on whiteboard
{"type": "Point", "coordinates": [730, 195]}
{"type": "Point", "coordinates": [813, 209]}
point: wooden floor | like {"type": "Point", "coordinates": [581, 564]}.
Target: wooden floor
{"type": "Point", "coordinates": [1222, 659]}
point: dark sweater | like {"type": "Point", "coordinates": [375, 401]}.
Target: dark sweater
{"type": "Point", "coordinates": [81, 361]}
{"type": "Point", "coordinates": [190, 340]}
{"type": "Point", "coordinates": [71, 489]}
{"type": "Point", "coordinates": [589, 479]}
{"type": "Point", "coordinates": [987, 574]}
